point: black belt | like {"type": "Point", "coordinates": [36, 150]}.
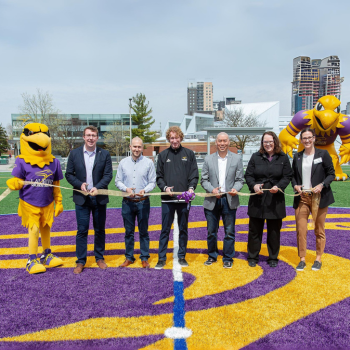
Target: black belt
{"type": "Point", "coordinates": [136, 199]}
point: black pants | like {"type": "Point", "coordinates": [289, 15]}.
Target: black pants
{"type": "Point", "coordinates": [256, 227]}
{"type": "Point", "coordinates": [168, 213]}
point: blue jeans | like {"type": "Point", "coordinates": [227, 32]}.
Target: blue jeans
{"type": "Point", "coordinates": [168, 213]}
{"type": "Point", "coordinates": [83, 219]}
{"type": "Point", "coordinates": [131, 210]}
{"type": "Point", "coordinates": [213, 218]}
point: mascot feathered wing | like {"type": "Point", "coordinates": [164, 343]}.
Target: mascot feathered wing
{"type": "Point", "coordinates": [36, 204]}
{"type": "Point", "coordinates": [328, 123]}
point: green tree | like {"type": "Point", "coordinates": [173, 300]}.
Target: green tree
{"type": "Point", "coordinates": [4, 146]}
{"type": "Point", "coordinates": [142, 119]}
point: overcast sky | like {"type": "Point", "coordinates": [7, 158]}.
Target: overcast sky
{"type": "Point", "coordinates": [93, 55]}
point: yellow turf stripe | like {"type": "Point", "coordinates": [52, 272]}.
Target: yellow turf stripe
{"type": "Point", "coordinates": [342, 226]}
{"type": "Point", "coordinates": [71, 248]}
{"type": "Point", "coordinates": [309, 292]}
{"type": "Point", "coordinates": [109, 246]}
{"type": "Point", "coordinates": [210, 279]}
{"type": "Point", "coordinates": [196, 224]}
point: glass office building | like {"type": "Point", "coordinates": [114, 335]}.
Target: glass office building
{"type": "Point", "coordinates": [76, 123]}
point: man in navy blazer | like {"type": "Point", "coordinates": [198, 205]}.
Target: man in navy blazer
{"type": "Point", "coordinates": [89, 169]}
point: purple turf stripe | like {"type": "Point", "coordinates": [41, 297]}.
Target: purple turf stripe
{"type": "Point", "coordinates": [96, 344]}
{"type": "Point", "coordinates": [58, 297]}
{"type": "Point", "coordinates": [327, 329]}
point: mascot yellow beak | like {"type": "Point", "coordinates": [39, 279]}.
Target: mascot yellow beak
{"type": "Point", "coordinates": [327, 112]}
{"type": "Point", "coordinates": [36, 144]}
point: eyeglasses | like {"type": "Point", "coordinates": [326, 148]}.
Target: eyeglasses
{"type": "Point", "coordinates": [268, 142]}
{"type": "Point", "coordinates": [307, 138]}
{"type": "Point", "coordinates": [89, 135]}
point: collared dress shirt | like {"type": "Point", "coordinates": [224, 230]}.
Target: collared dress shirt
{"type": "Point", "coordinates": [222, 162]}
{"type": "Point", "coordinates": [89, 158]}
{"type": "Point", "coordinates": [139, 174]}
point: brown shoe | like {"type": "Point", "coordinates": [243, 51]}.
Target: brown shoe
{"type": "Point", "coordinates": [78, 269]}
{"type": "Point", "coordinates": [101, 264]}
{"type": "Point", "coordinates": [145, 264]}
{"type": "Point", "coordinates": [126, 263]}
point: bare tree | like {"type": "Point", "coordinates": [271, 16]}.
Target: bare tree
{"type": "Point", "coordinates": [9, 131]}
{"type": "Point", "coordinates": [37, 108]}
{"type": "Point", "coordinates": [67, 133]}
{"type": "Point", "coordinates": [237, 118]}
{"type": "Point", "coordinates": [115, 141]}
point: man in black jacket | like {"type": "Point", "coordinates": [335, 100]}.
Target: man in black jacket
{"type": "Point", "coordinates": [89, 169]}
{"type": "Point", "coordinates": [176, 171]}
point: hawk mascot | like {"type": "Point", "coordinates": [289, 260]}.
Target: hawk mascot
{"type": "Point", "coordinates": [36, 201]}
{"type": "Point", "coordinates": [328, 123]}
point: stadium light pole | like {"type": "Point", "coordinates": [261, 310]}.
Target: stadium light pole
{"type": "Point", "coordinates": [130, 116]}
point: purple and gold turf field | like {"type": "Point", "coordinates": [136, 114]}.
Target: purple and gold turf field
{"type": "Point", "coordinates": [130, 308]}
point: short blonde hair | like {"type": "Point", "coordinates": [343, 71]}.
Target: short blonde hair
{"type": "Point", "coordinates": [176, 130]}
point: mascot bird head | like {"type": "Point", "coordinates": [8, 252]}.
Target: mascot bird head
{"type": "Point", "coordinates": [35, 143]}
{"type": "Point", "coordinates": [327, 116]}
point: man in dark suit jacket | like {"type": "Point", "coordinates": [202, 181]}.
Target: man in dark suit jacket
{"type": "Point", "coordinates": [89, 169]}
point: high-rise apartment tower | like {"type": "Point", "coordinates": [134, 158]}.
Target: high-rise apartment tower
{"type": "Point", "coordinates": [313, 79]}
{"type": "Point", "coordinates": [199, 97]}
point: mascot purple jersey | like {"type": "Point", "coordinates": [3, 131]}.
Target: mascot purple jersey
{"type": "Point", "coordinates": [328, 123]}
{"type": "Point", "coordinates": [37, 194]}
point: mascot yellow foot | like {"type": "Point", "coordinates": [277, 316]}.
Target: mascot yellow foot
{"type": "Point", "coordinates": [34, 266]}
{"type": "Point", "coordinates": [50, 260]}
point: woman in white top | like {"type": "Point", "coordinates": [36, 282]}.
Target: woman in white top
{"type": "Point", "coordinates": [313, 172]}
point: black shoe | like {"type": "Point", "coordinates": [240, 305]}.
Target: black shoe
{"type": "Point", "coordinates": [210, 261]}
{"type": "Point", "coordinates": [273, 263]}
{"type": "Point", "coordinates": [227, 265]}
{"type": "Point", "coordinates": [183, 262]}
{"type": "Point", "coordinates": [252, 263]}
{"type": "Point", "coordinates": [316, 266]}
{"type": "Point", "coordinates": [160, 264]}
{"type": "Point", "coordinates": [301, 266]}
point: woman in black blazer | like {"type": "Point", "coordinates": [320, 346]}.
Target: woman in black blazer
{"type": "Point", "coordinates": [268, 169]}
{"type": "Point", "coordinates": [313, 172]}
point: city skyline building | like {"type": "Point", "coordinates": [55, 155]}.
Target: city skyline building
{"type": "Point", "coordinates": [199, 97]}
{"type": "Point", "coordinates": [226, 101]}
{"type": "Point", "coordinates": [312, 79]}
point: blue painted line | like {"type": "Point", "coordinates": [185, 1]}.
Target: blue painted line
{"type": "Point", "coordinates": [180, 344]}
{"type": "Point", "coordinates": [179, 305]}
{"type": "Point", "coordinates": [179, 313]}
